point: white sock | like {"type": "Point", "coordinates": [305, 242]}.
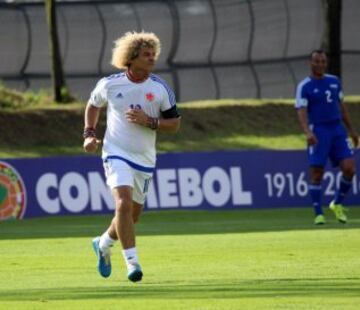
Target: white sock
{"type": "Point", "coordinates": [130, 256]}
{"type": "Point", "coordinates": [106, 241]}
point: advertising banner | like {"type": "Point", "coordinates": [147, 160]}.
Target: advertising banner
{"type": "Point", "coordinates": [200, 180]}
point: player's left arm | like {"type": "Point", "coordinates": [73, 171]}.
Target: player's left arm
{"type": "Point", "coordinates": [169, 122]}
{"type": "Point", "coordinates": [346, 119]}
{"type": "Point", "coordinates": [170, 119]}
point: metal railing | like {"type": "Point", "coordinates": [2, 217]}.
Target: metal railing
{"type": "Point", "coordinates": [211, 48]}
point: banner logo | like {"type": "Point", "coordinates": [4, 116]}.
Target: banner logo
{"type": "Point", "coordinates": [12, 193]}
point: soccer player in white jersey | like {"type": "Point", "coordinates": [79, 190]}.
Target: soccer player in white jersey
{"type": "Point", "coordinates": [139, 104]}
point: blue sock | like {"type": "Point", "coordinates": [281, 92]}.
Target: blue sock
{"type": "Point", "coordinates": [344, 187]}
{"type": "Point", "coordinates": [315, 192]}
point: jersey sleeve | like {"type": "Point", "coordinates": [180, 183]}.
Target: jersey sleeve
{"type": "Point", "coordinates": [168, 98]}
{"type": "Point", "coordinates": [341, 92]}
{"type": "Point", "coordinates": [301, 98]}
{"type": "Point", "coordinates": [98, 96]}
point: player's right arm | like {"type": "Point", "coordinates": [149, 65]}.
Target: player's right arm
{"type": "Point", "coordinates": [91, 143]}
{"type": "Point", "coordinates": [91, 117]}
{"type": "Point", "coordinates": [301, 103]}
{"type": "Point", "coordinates": [304, 124]}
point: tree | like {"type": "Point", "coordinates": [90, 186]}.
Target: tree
{"type": "Point", "coordinates": [61, 93]}
{"type": "Point", "coordinates": [332, 39]}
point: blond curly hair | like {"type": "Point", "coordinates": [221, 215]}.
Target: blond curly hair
{"type": "Point", "coordinates": [129, 45]}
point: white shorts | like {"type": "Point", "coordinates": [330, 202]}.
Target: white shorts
{"type": "Point", "coordinates": [119, 173]}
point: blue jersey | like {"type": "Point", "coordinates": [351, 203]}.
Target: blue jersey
{"type": "Point", "coordinates": [321, 97]}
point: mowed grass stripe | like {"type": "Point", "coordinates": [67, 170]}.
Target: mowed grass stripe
{"type": "Point", "coordinates": [209, 260]}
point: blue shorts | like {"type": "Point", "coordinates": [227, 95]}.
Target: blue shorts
{"type": "Point", "coordinates": [332, 143]}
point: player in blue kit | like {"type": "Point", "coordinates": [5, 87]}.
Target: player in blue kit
{"type": "Point", "coordinates": [322, 116]}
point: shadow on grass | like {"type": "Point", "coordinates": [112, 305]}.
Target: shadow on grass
{"type": "Point", "coordinates": [177, 222]}
{"type": "Point", "coordinates": [219, 288]}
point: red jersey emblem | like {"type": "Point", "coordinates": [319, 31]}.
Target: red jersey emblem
{"type": "Point", "coordinates": [150, 97]}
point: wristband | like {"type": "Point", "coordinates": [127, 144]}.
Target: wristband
{"type": "Point", "coordinates": [153, 123]}
{"type": "Point", "coordinates": [89, 132]}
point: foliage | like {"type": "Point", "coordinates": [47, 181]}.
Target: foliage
{"type": "Point", "coordinates": [14, 100]}
{"type": "Point", "coordinates": [227, 124]}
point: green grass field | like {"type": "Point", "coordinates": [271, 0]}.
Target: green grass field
{"type": "Point", "coordinates": [192, 260]}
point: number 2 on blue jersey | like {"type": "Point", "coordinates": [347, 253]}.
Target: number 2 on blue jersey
{"type": "Point", "coordinates": [328, 96]}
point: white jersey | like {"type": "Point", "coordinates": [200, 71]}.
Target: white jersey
{"type": "Point", "coordinates": [132, 142]}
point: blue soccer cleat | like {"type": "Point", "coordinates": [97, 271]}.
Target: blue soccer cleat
{"type": "Point", "coordinates": [134, 272]}
{"type": "Point", "coordinates": [104, 262]}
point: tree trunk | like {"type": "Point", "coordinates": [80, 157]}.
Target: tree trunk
{"type": "Point", "coordinates": [332, 40]}
{"type": "Point", "coordinates": [60, 90]}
